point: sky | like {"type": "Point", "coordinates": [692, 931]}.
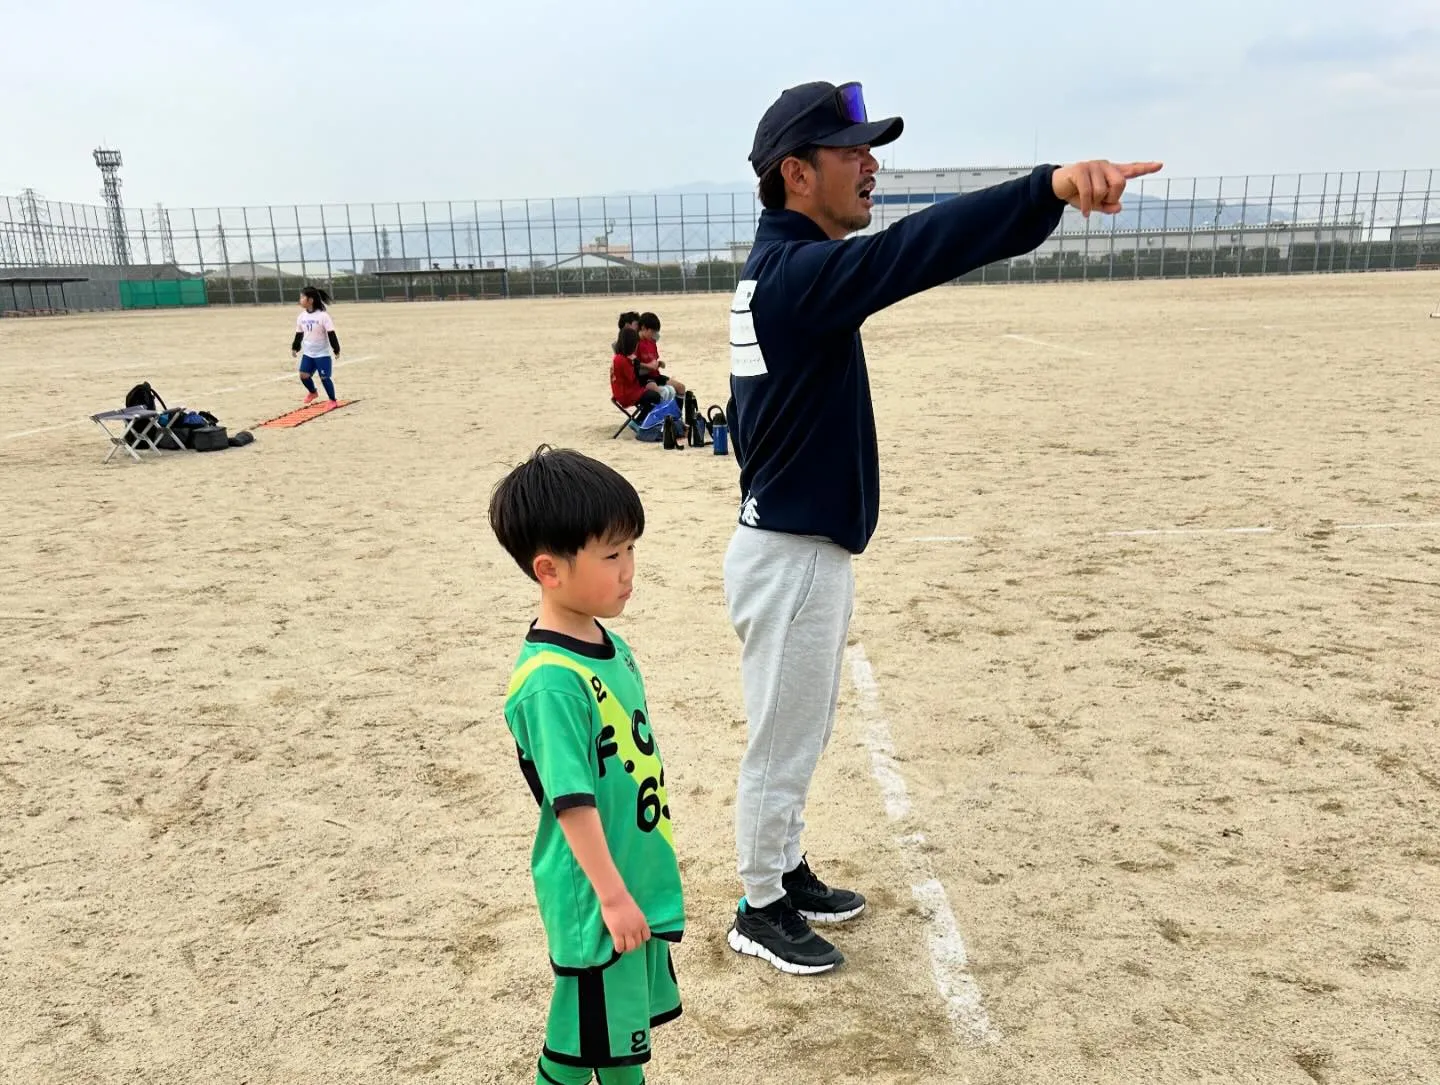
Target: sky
{"type": "Point", "coordinates": [229, 104]}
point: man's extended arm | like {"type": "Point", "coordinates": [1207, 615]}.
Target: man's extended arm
{"type": "Point", "coordinates": [836, 285]}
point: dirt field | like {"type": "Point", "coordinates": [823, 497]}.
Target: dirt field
{"type": "Point", "coordinates": [1180, 792]}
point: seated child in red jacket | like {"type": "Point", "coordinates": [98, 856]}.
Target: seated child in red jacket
{"type": "Point", "coordinates": [626, 386]}
{"type": "Point", "coordinates": [647, 355]}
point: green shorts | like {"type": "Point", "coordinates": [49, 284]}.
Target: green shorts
{"type": "Point", "coordinates": [603, 1016]}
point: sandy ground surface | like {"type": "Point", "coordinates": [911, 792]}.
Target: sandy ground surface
{"type": "Point", "coordinates": [1181, 792]}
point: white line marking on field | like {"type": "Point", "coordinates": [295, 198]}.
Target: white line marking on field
{"type": "Point", "coordinates": [877, 737]}
{"type": "Point", "coordinates": [42, 429]}
{"type": "Point", "coordinates": [1048, 346]}
{"type": "Point", "coordinates": [292, 375]}
{"type": "Point", "coordinates": [1191, 532]}
{"type": "Point", "coordinates": [948, 960]}
{"type": "Point", "coordinates": [951, 965]}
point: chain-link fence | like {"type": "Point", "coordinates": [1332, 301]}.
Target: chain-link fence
{"type": "Point", "coordinates": [1255, 225]}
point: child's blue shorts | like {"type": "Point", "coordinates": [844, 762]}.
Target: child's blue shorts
{"type": "Point", "coordinates": [322, 366]}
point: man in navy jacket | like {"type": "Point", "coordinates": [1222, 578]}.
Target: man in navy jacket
{"type": "Point", "coordinates": [803, 428]}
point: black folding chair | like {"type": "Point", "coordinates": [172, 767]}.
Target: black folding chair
{"type": "Point", "coordinates": [631, 415]}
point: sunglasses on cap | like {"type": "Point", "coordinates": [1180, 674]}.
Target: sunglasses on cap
{"type": "Point", "coordinates": [850, 103]}
{"type": "Point", "coordinates": [847, 100]}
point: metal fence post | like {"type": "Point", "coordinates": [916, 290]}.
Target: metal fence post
{"type": "Point", "coordinates": [1295, 224]}
{"type": "Point", "coordinates": [1424, 232]}
{"type": "Point", "coordinates": [199, 248]}
{"type": "Point", "coordinates": [404, 259]}
{"type": "Point", "coordinates": [354, 266]}
{"type": "Point", "coordinates": [1244, 214]}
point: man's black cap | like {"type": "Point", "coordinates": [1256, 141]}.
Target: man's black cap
{"type": "Point", "coordinates": [812, 113]}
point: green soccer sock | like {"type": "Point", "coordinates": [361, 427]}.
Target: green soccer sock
{"type": "Point", "coordinates": [552, 1073]}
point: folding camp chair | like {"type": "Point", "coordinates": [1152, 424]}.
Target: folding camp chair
{"type": "Point", "coordinates": [145, 426]}
{"type": "Point", "coordinates": [631, 415]}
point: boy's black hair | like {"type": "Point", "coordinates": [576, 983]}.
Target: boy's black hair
{"type": "Point", "coordinates": [628, 343]}
{"type": "Point", "coordinates": [772, 185]}
{"type": "Point", "coordinates": [318, 297]}
{"type": "Point", "coordinates": [627, 318]}
{"type": "Point", "coordinates": [650, 322]}
{"type": "Point", "coordinates": [557, 502]}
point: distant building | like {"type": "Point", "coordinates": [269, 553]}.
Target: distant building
{"type": "Point", "coordinates": [902, 192]}
{"type": "Point", "coordinates": [1429, 231]}
{"type": "Point", "coordinates": [391, 263]}
{"type": "Point", "coordinates": [1278, 238]}
{"type": "Point", "coordinates": [242, 271]}
{"type": "Point", "coordinates": [593, 260]}
{"type": "Point", "coordinates": [609, 248]}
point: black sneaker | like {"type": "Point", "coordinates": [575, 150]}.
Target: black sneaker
{"type": "Point", "coordinates": [779, 934]}
{"type": "Point", "coordinates": [817, 901]}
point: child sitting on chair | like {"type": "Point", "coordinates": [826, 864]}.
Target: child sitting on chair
{"type": "Point", "coordinates": [625, 384]}
{"type": "Point", "coordinates": [627, 320]}
{"type": "Point", "coordinates": [647, 356]}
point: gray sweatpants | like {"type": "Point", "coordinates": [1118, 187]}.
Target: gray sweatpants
{"type": "Point", "coordinates": [790, 599]}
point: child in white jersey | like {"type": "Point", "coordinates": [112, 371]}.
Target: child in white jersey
{"type": "Point", "coordinates": [315, 333]}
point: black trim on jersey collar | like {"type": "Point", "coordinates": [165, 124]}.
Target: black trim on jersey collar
{"type": "Point", "coordinates": [570, 644]}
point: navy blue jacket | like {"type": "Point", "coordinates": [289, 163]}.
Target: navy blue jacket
{"type": "Point", "coordinates": [800, 414]}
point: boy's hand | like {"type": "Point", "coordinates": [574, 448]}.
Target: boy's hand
{"type": "Point", "coordinates": [625, 922]}
{"type": "Point", "coordinates": [623, 917]}
{"type": "Point", "coordinates": [1097, 185]}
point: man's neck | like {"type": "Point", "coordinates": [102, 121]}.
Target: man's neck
{"type": "Point", "coordinates": [831, 229]}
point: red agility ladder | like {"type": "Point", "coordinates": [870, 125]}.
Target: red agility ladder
{"type": "Point", "coordinates": [302, 415]}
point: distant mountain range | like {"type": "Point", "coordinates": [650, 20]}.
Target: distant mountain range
{"type": "Point", "coordinates": [1142, 213]}
{"type": "Point", "coordinates": [685, 223]}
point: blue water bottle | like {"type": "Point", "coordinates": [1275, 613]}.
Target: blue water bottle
{"type": "Point", "coordinates": [719, 431]}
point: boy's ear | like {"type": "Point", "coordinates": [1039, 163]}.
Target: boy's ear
{"type": "Point", "coordinates": [547, 570]}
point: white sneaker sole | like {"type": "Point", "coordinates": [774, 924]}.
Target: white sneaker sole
{"type": "Point", "coordinates": [740, 944]}
{"type": "Point", "coordinates": [832, 917]}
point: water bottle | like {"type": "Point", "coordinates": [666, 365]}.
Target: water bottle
{"type": "Point", "coordinates": [719, 430]}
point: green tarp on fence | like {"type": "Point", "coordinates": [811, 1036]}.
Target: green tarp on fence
{"type": "Point", "coordinates": [162, 293]}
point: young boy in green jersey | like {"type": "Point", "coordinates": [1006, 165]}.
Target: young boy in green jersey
{"type": "Point", "coordinates": [606, 878]}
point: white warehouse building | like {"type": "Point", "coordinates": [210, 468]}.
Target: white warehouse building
{"type": "Point", "coordinates": [1192, 224]}
{"type": "Point", "coordinates": [1199, 224]}
{"type": "Point", "coordinates": [900, 192]}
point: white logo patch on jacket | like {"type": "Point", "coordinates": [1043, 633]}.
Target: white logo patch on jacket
{"type": "Point", "coordinates": [746, 358]}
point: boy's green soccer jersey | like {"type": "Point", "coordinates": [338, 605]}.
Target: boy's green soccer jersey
{"type": "Point", "coordinates": [578, 715]}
